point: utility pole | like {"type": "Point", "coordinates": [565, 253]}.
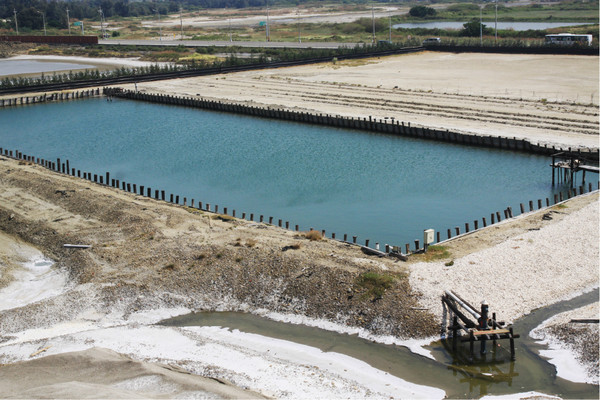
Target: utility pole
{"type": "Point", "coordinates": [43, 20]}
{"type": "Point", "coordinates": [373, 20]}
{"type": "Point", "coordinates": [101, 22]}
{"type": "Point", "coordinates": [268, 33]}
{"type": "Point", "coordinates": [298, 18]}
{"type": "Point", "coordinates": [481, 26]}
{"type": "Point", "coordinates": [181, 21]}
{"type": "Point", "coordinates": [496, 24]}
{"type": "Point", "coordinates": [68, 21]}
{"type": "Point", "coordinates": [16, 25]}
{"type": "Point", "coordinates": [159, 26]}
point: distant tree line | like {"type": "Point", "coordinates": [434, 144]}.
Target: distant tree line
{"type": "Point", "coordinates": [258, 57]}
{"type": "Point", "coordinates": [29, 17]}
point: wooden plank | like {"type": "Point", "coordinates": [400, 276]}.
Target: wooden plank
{"type": "Point", "coordinates": [490, 332]}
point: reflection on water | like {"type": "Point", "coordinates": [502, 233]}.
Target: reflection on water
{"type": "Point", "coordinates": [458, 373]}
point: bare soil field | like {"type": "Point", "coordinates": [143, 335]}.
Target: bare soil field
{"type": "Point", "coordinates": [524, 96]}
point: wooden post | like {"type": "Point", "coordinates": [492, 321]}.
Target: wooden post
{"type": "Point", "coordinates": [243, 215]}
{"type": "Point", "coordinates": [454, 333]}
{"type": "Point", "coordinates": [512, 344]}
{"type": "Point", "coordinates": [177, 199]}
{"type": "Point", "coordinates": [466, 227]}
{"type": "Point", "coordinates": [162, 195]}
{"type": "Point", "coordinates": [530, 205]}
{"type": "Point", "coordinates": [407, 248]}
{"type": "Point", "coordinates": [492, 218]}
{"type": "Point", "coordinates": [522, 208]}
{"type": "Point", "coordinates": [417, 245]}
{"type": "Point", "coordinates": [260, 219]}
{"type": "Point", "coordinates": [539, 203]}
{"type": "Point", "coordinates": [553, 170]}
{"type": "Point", "coordinates": [457, 229]}
{"type": "Point", "coordinates": [471, 343]}
{"type": "Point", "coordinates": [345, 237]}
{"type": "Point", "coordinates": [287, 226]}
{"type": "Point", "coordinates": [367, 243]}
{"type": "Point", "coordinates": [476, 224]}
{"type": "Point", "coordinates": [449, 233]}
{"type": "Point", "coordinates": [225, 210]}
{"type": "Point", "coordinates": [216, 208]}
{"type": "Point", "coordinates": [498, 216]}
{"type": "Point", "coordinates": [353, 239]}
{"type": "Point", "coordinates": [438, 238]}
{"type": "Point", "coordinates": [547, 202]}
{"type": "Point", "coordinates": [332, 234]}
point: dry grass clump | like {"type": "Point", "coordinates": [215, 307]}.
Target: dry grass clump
{"type": "Point", "coordinates": [313, 235]}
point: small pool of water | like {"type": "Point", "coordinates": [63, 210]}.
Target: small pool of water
{"type": "Point", "coordinates": [453, 372]}
{"type": "Point", "coordinates": [517, 26]}
{"type": "Point", "coordinates": [28, 67]}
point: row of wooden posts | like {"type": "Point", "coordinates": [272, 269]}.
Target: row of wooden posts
{"type": "Point", "coordinates": [64, 167]}
{"type": "Point", "coordinates": [508, 212]}
{"type": "Point", "coordinates": [382, 125]}
{"type": "Point", "coordinates": [43, 98]}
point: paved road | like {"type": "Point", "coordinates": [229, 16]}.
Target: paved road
{"type": "Point", "coordinates": [225, 43]}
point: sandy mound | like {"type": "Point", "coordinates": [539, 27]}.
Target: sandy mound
{"type": "Point", "coordinates": [102, 373]}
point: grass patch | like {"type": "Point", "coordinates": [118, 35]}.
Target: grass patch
{"type": "Point", "coordinates": [375, 284]}
{"type": "Point", "coordinates": [225, 218]}
{"type": "Point", "coordinates": [435, 253]}
{"type": "Point", "coordinates": [313, 235]}
{"type": "Point", "coordinates": [561, 206]}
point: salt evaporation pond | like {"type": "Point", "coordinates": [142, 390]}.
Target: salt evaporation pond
{"type": "Point", "coordinates": [380, 187]}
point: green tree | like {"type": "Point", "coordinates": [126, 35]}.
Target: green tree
{"type": "Point", "coordinates": [422, 11]}
{"type": "Point", "coordinates": [474, 28]}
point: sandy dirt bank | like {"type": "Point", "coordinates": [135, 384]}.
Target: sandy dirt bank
{"type": "Point", "coordinates": [512, 95]}
{"type": "Point", "coordinates": [573, 347]}
{"type": "Point", "coordinates": [102, 373]}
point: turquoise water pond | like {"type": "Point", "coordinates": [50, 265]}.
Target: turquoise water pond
{"type": "Point", "coordinates": [380, 187]}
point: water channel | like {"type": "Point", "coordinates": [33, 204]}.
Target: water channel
{"type": "Point", "coordinates": [517, 26]}
{"type": "Point", "coordinates": [379, 187]}
{"type": "Point", "coordinates": [460, 378]}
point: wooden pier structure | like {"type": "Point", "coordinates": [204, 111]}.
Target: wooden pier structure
{"type": "Point", "coordinates": [481, 330]}
{"type": "Point", "coordinates": [570, 163]}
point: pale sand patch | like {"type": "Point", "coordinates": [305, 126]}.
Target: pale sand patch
{"type": "Point", "coordinates": [93, 374]}
{"type": "Point", "coordinates": [524, 271]}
